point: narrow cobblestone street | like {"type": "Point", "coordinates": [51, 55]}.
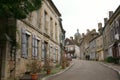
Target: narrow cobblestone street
{"type": "Point", "coordinates": [87, 70]}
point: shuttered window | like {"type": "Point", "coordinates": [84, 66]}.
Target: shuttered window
{"type": "Point", "coordinates": [35, 47]}
{"type": "Point", "coordinates": [25, 43]}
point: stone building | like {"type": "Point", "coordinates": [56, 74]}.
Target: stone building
{"type": "Point", "coordinates": [99, 48]}
{"type": "Point", "coordinates": [92, 49]}
{"type": "Point", "coordinates": [70, 46]}
{"type": "Point", "coordinates": [111, 34]}
{"type": "Point", "coordinates": [38, 37]}
{"type": "Point", "coordinates": [99, 43]}
{"type": "Point", "coordinates": [84, 44]}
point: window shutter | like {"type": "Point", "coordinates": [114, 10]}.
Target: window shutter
{"type": "Point", "coordinates": [54, 55]}
{"type": "Point", "coordinates": [43, 50]}
{"type": "Point", "coordinates": [36, 47]}
{"type": "Point", "coordinates": [24, 50]}
{"type": "Point", "coordinates": [33, 45]}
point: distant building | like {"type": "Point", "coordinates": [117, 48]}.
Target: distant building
{"type": "Point", "coordinates": [92, 49]}
{"type": "Point", "coordinates": [99, 48]}
{"type": "Point", "coordinates": [72, 49]}
{"type": "Point", "coordinates": [70, 46]}
{"type": "Point", "coordinates": [84, 44]}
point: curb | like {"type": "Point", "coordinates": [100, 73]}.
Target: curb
{"type": "Point", "coordinates": [59, 72]}
{"type": "Point", "coordinates": [118, 71]}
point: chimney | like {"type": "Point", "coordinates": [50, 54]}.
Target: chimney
{"type": "Point", "coordinates": [83, 35]}
{"type": "Point", "coordinates": [71, 38]}
{"type": "Point", "coordinates": [88, 30]}
{"type": "Point", "coordinates": [94, 30]}
{"type": "Point", "coordinates": [105, 20]}
{"type": "Point", "coordinates": [110, 14]}
{"type": "Point", "coordinates": [99, 26]}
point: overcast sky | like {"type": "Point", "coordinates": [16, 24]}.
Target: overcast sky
{"type": "Point", "coordinates": [84, 14]}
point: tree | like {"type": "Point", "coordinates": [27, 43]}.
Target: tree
{"type": "Point", "coordinates": [18, 9]}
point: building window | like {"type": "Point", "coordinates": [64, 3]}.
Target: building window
{"type": "Point", "coordinates": [51, 27]}
{"type": "Point", "coordinates": [67, 43]}
{"type": "Point", "coordinates": [71, 48]}
{"type": "Point", "coordinates": [44, 50]}
{"type": "Point", "coordinates": [25, 43]}
{"type": "Point", "coordinates": [50, 54]}
{"type": "Point", "coordinates": [35, 47]}
{"type": "Point", "coordinates": [45, 22]}
{"type": "Point", "coordinates": [56, 31]}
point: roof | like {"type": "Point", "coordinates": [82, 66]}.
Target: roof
{"type": "Point", "coordinates": [54, 7]}
{"type": "Point", "coordinates": [71, 42]}
{"type": "Point", "coordinates": [111, 19]}
{"type": "Point", "coordinates": [61, 26]}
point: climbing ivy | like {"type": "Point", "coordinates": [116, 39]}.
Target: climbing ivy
{"type": "Point", "coordinates": [18, 9]}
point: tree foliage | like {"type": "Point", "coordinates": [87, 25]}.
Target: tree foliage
{"type": "Point", "coordinates": [18, 9]}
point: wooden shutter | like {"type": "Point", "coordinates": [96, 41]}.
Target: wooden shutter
{"type": "Point", "coordinates": [43, 50]}
{"type": "Point", "coordinates": [33, 45]}
{"type": "Point", "coordinates": [24, 49]}
{"type": "Point", "coordinates": [36, 47]}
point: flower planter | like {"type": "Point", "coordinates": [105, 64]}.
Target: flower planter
{"type": "Point", "coordinates": [48, 71]}
{"type": "Point", "coordinates": [34, 76]}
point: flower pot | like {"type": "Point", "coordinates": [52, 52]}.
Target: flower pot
{"type": "Point", "coordinates": [48, 71]}
{"type": "Point", "coordinates": [34, 76]}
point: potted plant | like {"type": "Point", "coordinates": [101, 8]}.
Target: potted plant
{"type": "Point", "coordinates": [34, 67]}
{"type": "Point", "coordinates": [47, 66]}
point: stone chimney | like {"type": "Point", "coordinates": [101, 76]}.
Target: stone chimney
{"type": "Point", "coordinates": [105, 20]}
{"type": "Point", "coordinates": [99, 25]}
{"type": "Point", "coordinates": [71, 38]}
{"type": "Point", "coordinates": [110, 14]}
{"type": "Point", "coordinates": [100, 28]}
{"type": "Point", "coordinates": [88, 30]}
{"type": "Point", "coordinates": [83, 35]}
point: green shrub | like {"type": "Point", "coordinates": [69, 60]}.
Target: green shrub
{"type": "Point", "coordinates": [109, 59]}
{"type": "Point", "coordinates": [112, 60]}
{"type": "Point", "coordinates": [116, 60]}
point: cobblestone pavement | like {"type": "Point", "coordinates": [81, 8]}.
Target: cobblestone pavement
{"type": "Point", "coordinates": [87, 70]}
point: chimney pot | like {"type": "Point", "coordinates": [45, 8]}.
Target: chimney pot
{"type": "Point", "coordinates": [110, 14]}
{"type": "Point", "coordinates": [105, 20]}
{"type": "Point", "coordinates": [71, 38]}
{"type": "Point", "coordinates": [99, 25]}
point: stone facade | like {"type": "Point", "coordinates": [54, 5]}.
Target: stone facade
{"type": "Point", "coordinates": [70, 46]}
{"type": "Point", "coordinates": [92, 49]}
{"type": "Point", "coordinates": [111, 34]}
{"type": "Point", "coordinates": [84, 45]}
{"type": "Point", "coordinates": [99, 47]}
{"type": "Point", "coordinates": [38, 37]}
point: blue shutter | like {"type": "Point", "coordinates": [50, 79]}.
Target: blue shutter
{"type": "Point", "coordinates": [36, 45]}
{"type": "Point", "coordinates": [24, 50]}
{"type": "Point", "coordinates": [33, 45]}
{"type": "Point", "coordinates": [43, 47]}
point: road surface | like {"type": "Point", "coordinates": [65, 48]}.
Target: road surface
{"type": "Point", "coordinates": [87, 70]}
